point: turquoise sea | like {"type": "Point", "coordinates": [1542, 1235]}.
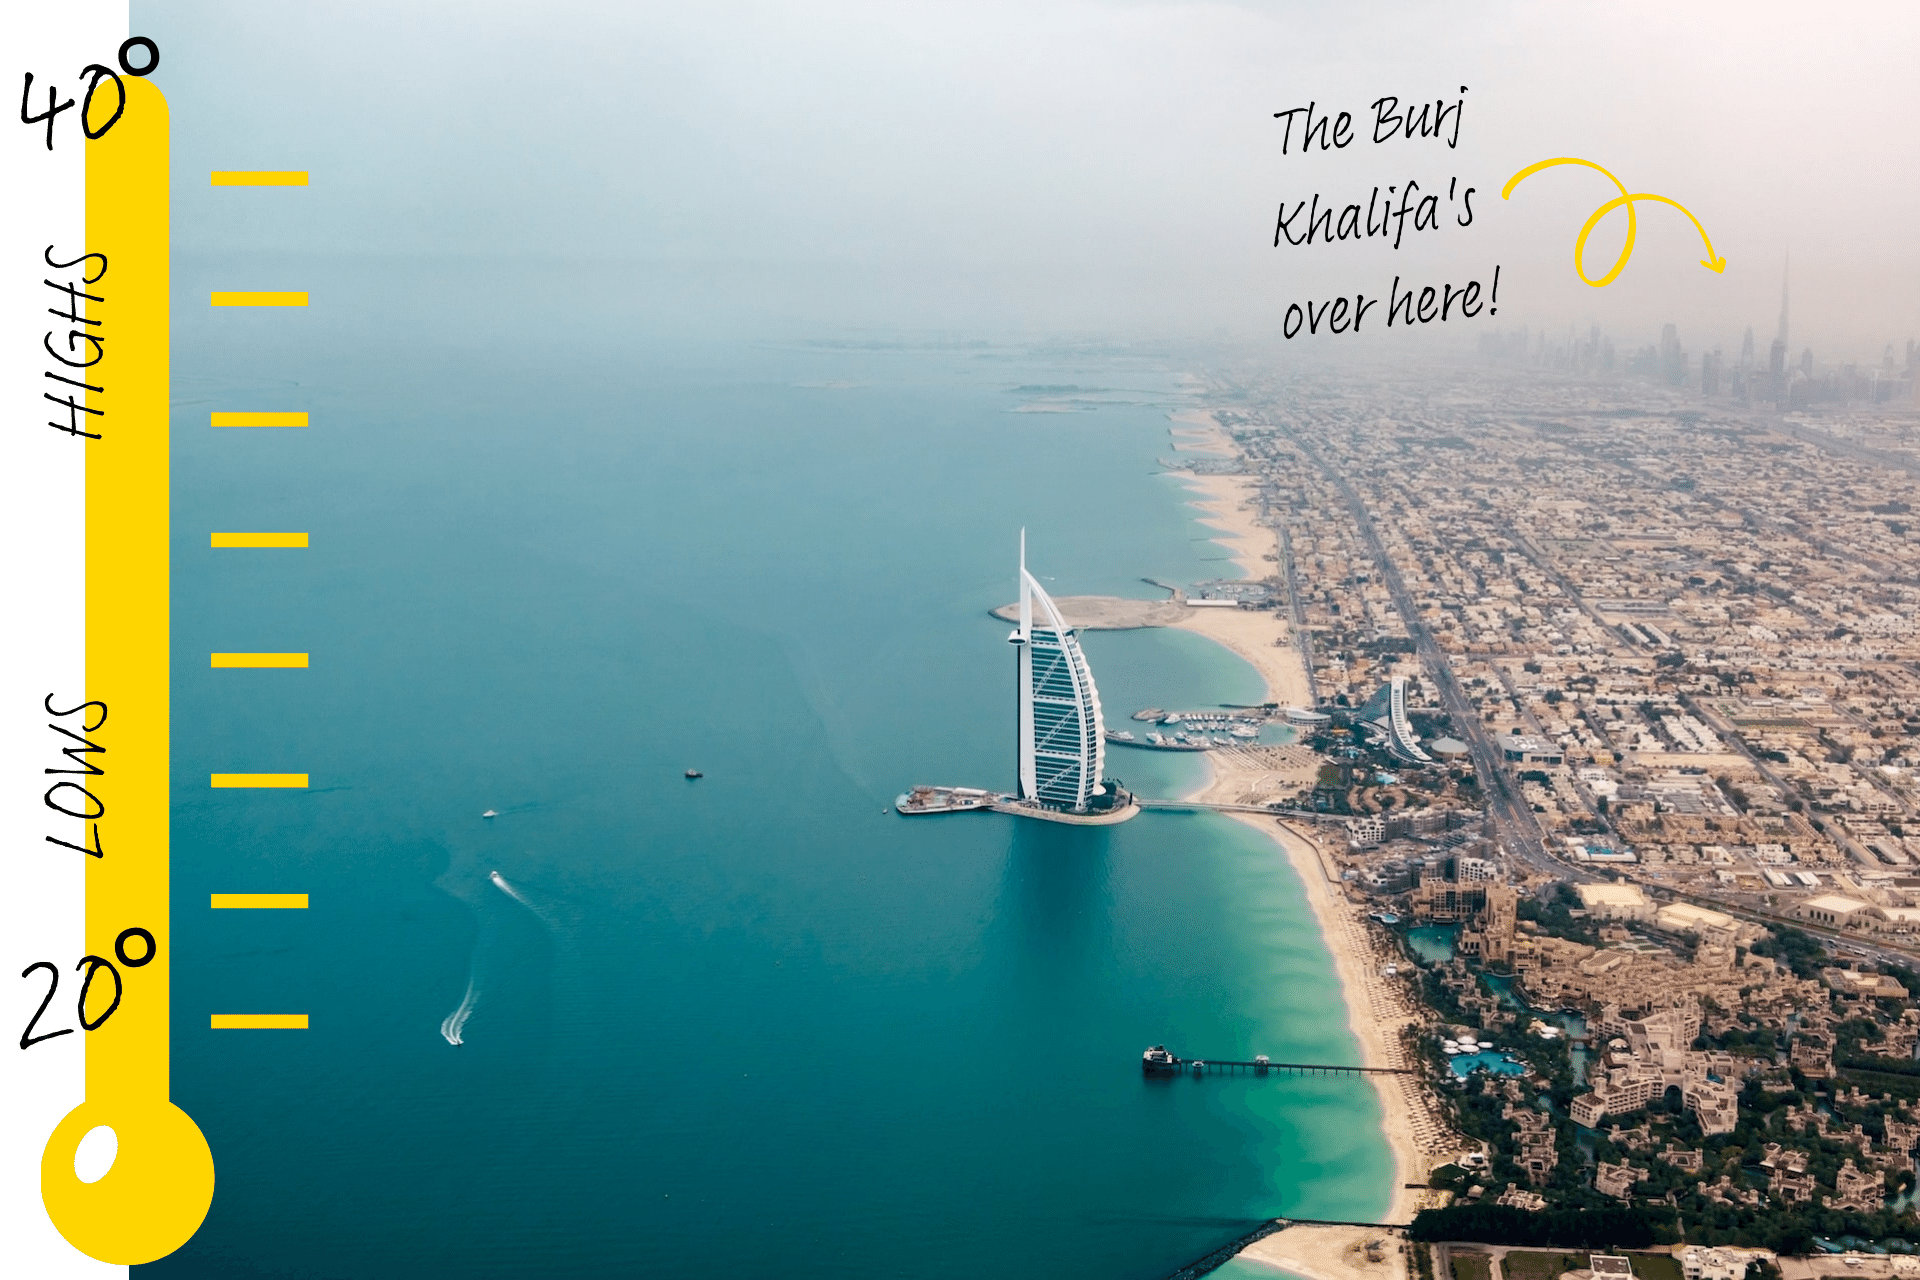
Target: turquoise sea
{"type": "Point", "coordinates": [753, 1025]}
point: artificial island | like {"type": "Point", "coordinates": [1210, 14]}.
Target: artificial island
{"type": "Point", "coordinates": [1060, 742]}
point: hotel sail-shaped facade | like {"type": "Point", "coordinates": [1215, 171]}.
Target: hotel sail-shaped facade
{"type": "Point", "coordinates": [1061, 737]}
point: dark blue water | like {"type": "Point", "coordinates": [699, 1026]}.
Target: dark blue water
{"type": "Point", "coordinates": [749, 1025]}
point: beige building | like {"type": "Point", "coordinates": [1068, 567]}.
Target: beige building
{"type": "Point", "coordinates": [1616, 902]}
{"type": "Point", "coordinates": [1707, 925]}
{"type": "Point", "coordinates": [1837, 912]}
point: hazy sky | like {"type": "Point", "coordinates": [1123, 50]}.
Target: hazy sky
{"type": "Point", "coordinates": [1087, 168]}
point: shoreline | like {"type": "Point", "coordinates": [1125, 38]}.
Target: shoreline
{"type": "Point", "coordinates": [1262, 637]}
{"type": "Point", "coordinates": [1375, 1012]}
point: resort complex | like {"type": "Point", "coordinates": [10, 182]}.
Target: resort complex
{"type": "Point", "coordinates": [1060, 749]}
{"type": "Point", "coordinates": [1059, 737]}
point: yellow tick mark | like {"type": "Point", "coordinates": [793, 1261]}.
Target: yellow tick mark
{"type": "Point", "coordinates": [259, 1022]}
{"type": "Point", "coordinates": [259, 539]}
{"type": "Point", "coordinates": [259, 659]}
{"type": "Point", "coordinates": [259, 299]}
{"type": "Point", "coordinates": [297, 780]}
{"type": "Point", "coordinates": [258, 420]}
{"type": "Point", "coordinates": [262, 901]}
{"type": "Point", "coordinates": [259, 177]}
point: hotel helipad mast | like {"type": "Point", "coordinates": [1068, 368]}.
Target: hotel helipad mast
{"type": "Point", "coordinates": [1062, 747]}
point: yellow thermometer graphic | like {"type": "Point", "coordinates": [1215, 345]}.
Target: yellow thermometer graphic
{"type": "Point", "coordinates": [159, 1184]}
{"type": "Point", "coordinates": [157, 1190]}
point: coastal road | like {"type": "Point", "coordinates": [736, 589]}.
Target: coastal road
{"type": "Point", "coordinates": [1302, 638]}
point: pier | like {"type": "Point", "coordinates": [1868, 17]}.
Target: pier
{"type": "Point", "coordinates": [1184, 806]}
{"type": "Point", "coordinates": [1290, 815]}
{"type": "Point", "coordinates": [1158, 1062]}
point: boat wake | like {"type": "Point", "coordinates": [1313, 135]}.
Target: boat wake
{"type": "Point", "coordinates": [453, 1026]}
{"type": "Point", "coordinates": [456, 1020]}
{"type": "Point", "coordinates": [500, 882]}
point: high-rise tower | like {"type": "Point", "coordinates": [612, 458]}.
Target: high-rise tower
{"type": "Point", "coordinates": [1784, 266]}
{"type": "Point", "coordinates": [1061, 745]}
{"type": "Point", "coordinates": [1777, 357]}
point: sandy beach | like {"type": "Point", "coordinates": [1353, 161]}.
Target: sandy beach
{"type": "Point", "coordinates": [1197, 431]}
{"type": "Point", "coordinates": [1376, 1009]}
{"type": "Point", "coordinates": [1330, 1253]}
{"type": "Point", "coordinates": [1262, 637]}
{"type": "Point", "coordinates": [1232, 505]}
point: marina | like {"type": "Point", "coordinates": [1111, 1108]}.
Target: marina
{"type": "Point", "coordinates": [1203, 730]}
{"type": "Point", "coordinates": [1160, 742]}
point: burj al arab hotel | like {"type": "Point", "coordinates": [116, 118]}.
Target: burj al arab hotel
{"type": "Point", "coordinates": [1060, 752]}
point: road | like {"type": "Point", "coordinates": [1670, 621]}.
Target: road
{"type": "Point", "coordinates": [1512, 819]}
{"type": "Point", "coordinates": [1302, 637]}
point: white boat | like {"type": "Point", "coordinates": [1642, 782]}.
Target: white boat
{"type": "Point", "coordinates": [489, 814]}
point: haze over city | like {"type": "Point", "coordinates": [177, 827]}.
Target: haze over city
{"type": "Point", "coordinates": [1094, 169]}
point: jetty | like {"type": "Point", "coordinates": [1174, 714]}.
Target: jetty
{"type": "Point", "coordinates": [1211, 806]}
{"type": "Point", "coordinates": [1156, 1061]}
{"type": "Point", "coordinates": [1271, 811]}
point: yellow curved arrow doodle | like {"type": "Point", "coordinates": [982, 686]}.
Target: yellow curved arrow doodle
{"type": "Point", "coordinates": [1712, 262]}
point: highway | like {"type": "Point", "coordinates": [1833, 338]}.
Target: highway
{"type": "Point", "coordinates": [1302, 638]}
{"type": "Point", "coordinates": [1511, 818]}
